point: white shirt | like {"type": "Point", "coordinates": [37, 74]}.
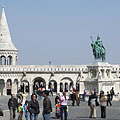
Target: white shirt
{"type": "Point", "coordinates": [64, 102]}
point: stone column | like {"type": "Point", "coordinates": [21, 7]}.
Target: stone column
{"type": "Point", "coordinates": [110, 74]}
{"type": "Point", "coordinates": [99, 87]}
{"type": "Point", "coordinates": [0, 60]}
{"type": "Point", "coordinates": [11, 61]}
{"type": "Point", "coordinates": [58, 87]}
{"type": "Point", "coordinates": [47, 84]}
{"type": "Point", "coordinates": [105, 74]}
{"type": "Point", "coordinates": [18, 84]}
{"type": "Point", "coordinates": [14, 88]}
{"type": "Point", "coordinates": [89, 74]}
{"type": "Point", "coordinates": [80, 90]}
{"type": "Point", "coordinates": [30, 89]}
{"type": "Point", "coordinates": [5, 60]}
{"type": "Point", "coordinates": [5, 89]}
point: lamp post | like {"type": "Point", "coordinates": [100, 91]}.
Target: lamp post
{"type": "Point", "coordinates": [49, 62]}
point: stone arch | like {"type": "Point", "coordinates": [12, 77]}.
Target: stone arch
{"type": "Point", "coordinates": [9, 60]}
{"type": "Point", "coordinates": [24, 86]}
{"type": "Point", "coordinates": [9, 86]}
{"type": "Point", "coordinates": [53, 84]}
{"type": "Point", "coordinates": [67, 84]}
{"type": "Point", "coordinates": [39, 82]}
{"type": "Point", "coordinates": [2, 85]}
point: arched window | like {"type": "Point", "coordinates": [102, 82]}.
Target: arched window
{"type": "Point", "coordinates": [9, 86]}
{"type": "Point", "coordinates": [9, 60]}
{"type": "Point", "coordinates": [61, 87]}
{"type": "Point", "coordinates": [3, 60]}
{"type": "Point", "coordinates": [66, 87]}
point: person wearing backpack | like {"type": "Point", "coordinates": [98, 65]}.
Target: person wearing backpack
{"type": "Point", "coordinates": [92, 104]}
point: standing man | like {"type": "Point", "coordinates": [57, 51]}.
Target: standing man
{"type": "Point", "coordinates": [112, 93]}
{"type": "Point", "coordinates": [84, 95]}
{"type": "Point", "coordinates": [47, 106]}
{"type": "Point", "coordinates": [51, 89]}
{"type": "Point", "coordinates": [109, 99]}
{"type": "Point", "coordinates": [92, 103]}
{"type": "Point", "coordinates": [73, 98]}
{"type": "Point", "coordinates": [12, 105]}
{"type": "Point", "coordinates": [33, 107]}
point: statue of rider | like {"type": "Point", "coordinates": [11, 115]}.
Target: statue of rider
{"type": "Point", "coordinates": [98, 49]}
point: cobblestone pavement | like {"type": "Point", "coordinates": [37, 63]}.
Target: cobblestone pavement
{"type": "Point", "coordinates": [75, 113]}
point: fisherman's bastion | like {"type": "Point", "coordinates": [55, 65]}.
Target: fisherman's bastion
{"type": "Point", "coordinates": [97, 75]}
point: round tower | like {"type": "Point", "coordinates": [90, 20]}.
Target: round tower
{"type": "Point", "coordinates": [8, 52]}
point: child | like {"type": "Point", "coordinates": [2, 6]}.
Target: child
{"type": "Point", "coordinates": [25, 109]}
{"type": "Point", "coordinates": [20, 110]}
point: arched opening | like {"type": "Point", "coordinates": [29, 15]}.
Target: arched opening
{"type": "Point", "coordinates": [22, 87]}
{"type": "Point", "coordinates": [53, 84]}
{"type": "Point", "coordinates": [9, 60]}
{"type": "Point", "coordinates": [71, 86]}
{"type": "Point", "coordinates": [67, 84]}
{"type": "Point", "coordinates": [25, 86]}
{"type": "Point", "coordinates": [66, 87]}
{"type": "Point", "coordinates": [2, 85]}
{"type": "Point", "coordinates": [77, 86]}
{"type": "Point", "coordinates": [16, 60]}
{"type": "Point", "coordinates": [38, 83]}
{"type": "Point", "coordinates": [9, 86]}
{"type": "Point", "coordinates": [3, 60]}
{"type": "Point", "coordinates": [61, 87]}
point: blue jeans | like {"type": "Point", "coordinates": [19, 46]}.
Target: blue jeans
{"type": "Point", "coordinates": [39, 97]}
{"type": "Point", "coordinates": [46, 116]}
{"type": "Point", "coordinates": [26, 115]}
{"type": "Point", "coordinates": [63, 108]}
{"type": "Point", "coordinates": [33, 117]}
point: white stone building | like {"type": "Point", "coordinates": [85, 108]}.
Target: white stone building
{"type": "Point", "coordinates": [99, 76]}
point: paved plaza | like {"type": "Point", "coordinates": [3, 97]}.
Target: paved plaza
{"type": "Point", "coordinates": [75, 113]}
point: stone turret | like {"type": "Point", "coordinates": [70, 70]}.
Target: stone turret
{"type": "Point", "coordinates": [8, 52]}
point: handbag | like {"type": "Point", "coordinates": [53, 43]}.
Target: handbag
{"type": "Point", "coordinates": [97, 103]}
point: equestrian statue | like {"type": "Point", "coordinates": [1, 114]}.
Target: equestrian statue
{"type": "Point", "coordinates": [99, 51]}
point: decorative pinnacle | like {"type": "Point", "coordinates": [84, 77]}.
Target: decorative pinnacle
{"type": "Point", "coordinates": [3, 6]}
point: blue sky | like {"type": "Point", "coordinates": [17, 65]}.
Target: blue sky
{"type": "Point", "coordinates": [59, 30]}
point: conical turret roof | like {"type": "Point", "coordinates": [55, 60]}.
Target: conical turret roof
{"type": "Point", "coordinates": [5, 38]}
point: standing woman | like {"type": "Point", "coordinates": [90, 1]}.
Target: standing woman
{"type": "Point", "coordinates": [63, 107]}
{"type": "Point", "coordinates": [103, 104]}
{"type": "Point", "coordinates": [33, 107]}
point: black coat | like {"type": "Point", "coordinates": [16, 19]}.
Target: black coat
{"type": "Point", "coordinates": [92, 97]}
{"type": "Point", "coordinates": [15, 103]}
{"type": "Point", "coordinates": [33, 107]}
{"type": "Point", "coordinates": [47, 106]}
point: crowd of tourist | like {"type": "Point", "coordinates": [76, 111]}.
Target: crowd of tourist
{"type": "Point", "coordinates": [30, 109]}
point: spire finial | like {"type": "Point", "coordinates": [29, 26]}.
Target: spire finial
{"type": "Point", "coordinates": [3, 6]}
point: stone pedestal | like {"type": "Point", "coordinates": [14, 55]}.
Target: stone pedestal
{"type": "Point", "coordinates": [98, 73]}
